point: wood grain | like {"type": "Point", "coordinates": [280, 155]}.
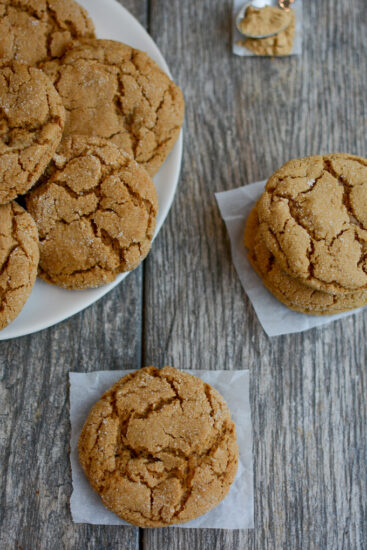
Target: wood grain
{"type": "Point", "coordinates": [34, 420]}
{"type": "Point", "coordinates": [245, 117]}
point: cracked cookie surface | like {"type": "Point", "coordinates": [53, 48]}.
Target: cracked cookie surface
{"type": "Point", "coordinates": [114, 91]}
{"type": "Point", "coordinates": [95, 209]}
{"type": "Point", "coordinates": [313, 220]}
{"type": "Point", "coordinates": [290, 290]}
{"type": "Point", "coordinates": [159, 447]}
{"type": "Point", "coordinates": [31, 124]}
{"type": "Point", "coordinates": [19, 256]}
{"type": "Point", "coordinates": [32, 31]}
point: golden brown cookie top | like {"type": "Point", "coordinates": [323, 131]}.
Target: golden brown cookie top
{"type": "Point", "coordinates": [35, 30]}
{"type": "Point", "coordinates": [313, 219]}
{"type": "Point", "coordinates": [18, 260]}
{"type": "Point", "coordinates": [31, 124]}
{"type": "Point", "coordinates": [113, 91]}
{"type": "Point", "coordinates": [290, 290]}
{"type": "Point", "coordinates": [159, 447]}
{"type": "Point", "coordinates": [95, 210]}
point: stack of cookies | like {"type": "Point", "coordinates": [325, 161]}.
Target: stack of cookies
{"type": "Point", "coordinates": [84, 126]}
{"type": "Point", "coordinates": [307, 234]}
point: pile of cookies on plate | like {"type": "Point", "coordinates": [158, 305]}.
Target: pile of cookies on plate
{"type": "Point", "coordinates": [84, 126]}
{"type": "Point", "coordinates": [307, 236]}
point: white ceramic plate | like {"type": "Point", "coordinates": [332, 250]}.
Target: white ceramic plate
{"type": "Point", "coordinates": [49, 304]}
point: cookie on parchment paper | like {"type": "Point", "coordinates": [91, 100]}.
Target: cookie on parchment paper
{"type": "Point", "coordinates": [290, 290]}
{"type": "Point", "coordinates": [313, 219]}
{"type": "Point", "coordinates": [159, 447]}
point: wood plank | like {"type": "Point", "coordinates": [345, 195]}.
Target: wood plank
{"type": "Point", "coordinates": [34, 418]}
{"type": "Point", "coordinates": [245, 117]}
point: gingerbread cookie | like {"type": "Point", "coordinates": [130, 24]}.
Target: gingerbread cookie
{"type": "Point", "coordinates": [313, 220]}
{"type": "Point", "coordinates": [31, 124]}
{"type": "Point", "coordinates": [35, 30]}
{"type": "Point", "coordinates": [95, 210]}
{"type": "Point", "coordinates": [159, 447]}
{"type": "Point", "coordinates": [289, 290]}
{"type": "Point", "coordinates": [116, 92]}
{"type": "Point", "coordinates": [18, 260]}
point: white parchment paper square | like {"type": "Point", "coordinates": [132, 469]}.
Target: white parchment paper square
{"type": "Point", "coordinates": [275, 318]}
{"type": "Point", "coordinates": [236, 511]}
{"type": "Point", "coordinates": [237, 36]}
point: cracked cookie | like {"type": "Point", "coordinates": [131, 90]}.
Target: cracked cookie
{"type": "Point", "coordinates": [290, 290]}
{"type": "Point", "coordinates": [18, 260]}
{"type": "Point", "coordinates": [95, 209]}
{"type": "Point", "coordinates": [114, 91]}
{"type": "Point", "coordinates": [313, 219]}
{"type": "Point", "coordinates": [32, 31]}
{"type": "Point", "coordinates": [159, 447]}
{"type": "Point", "coordinates": [31, 124]}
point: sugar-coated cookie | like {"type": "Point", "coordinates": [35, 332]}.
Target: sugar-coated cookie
{"type": "Point", "coordinates": [290, 290]}
{"type": "Point", "coordinates": [159, 447]}
{"type": "Point", "coordinates": [18, 260]}
{"type": "Point", "coordinates": [95, 210]}
{"type": "Point", "coordinates": [114, 91]}
{"type": "Point", "coordinates": [31, 124]}
{"type": "Point", "coordinates": [35, 30]}
{"type": "Point", "coordinates": [313, 218]}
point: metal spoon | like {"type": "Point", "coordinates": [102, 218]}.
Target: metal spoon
{"type": "Point", "coordinates": [282, 4]}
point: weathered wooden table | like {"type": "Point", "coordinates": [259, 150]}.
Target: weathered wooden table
{"type": "Point", "coordinates": [185, 306]}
